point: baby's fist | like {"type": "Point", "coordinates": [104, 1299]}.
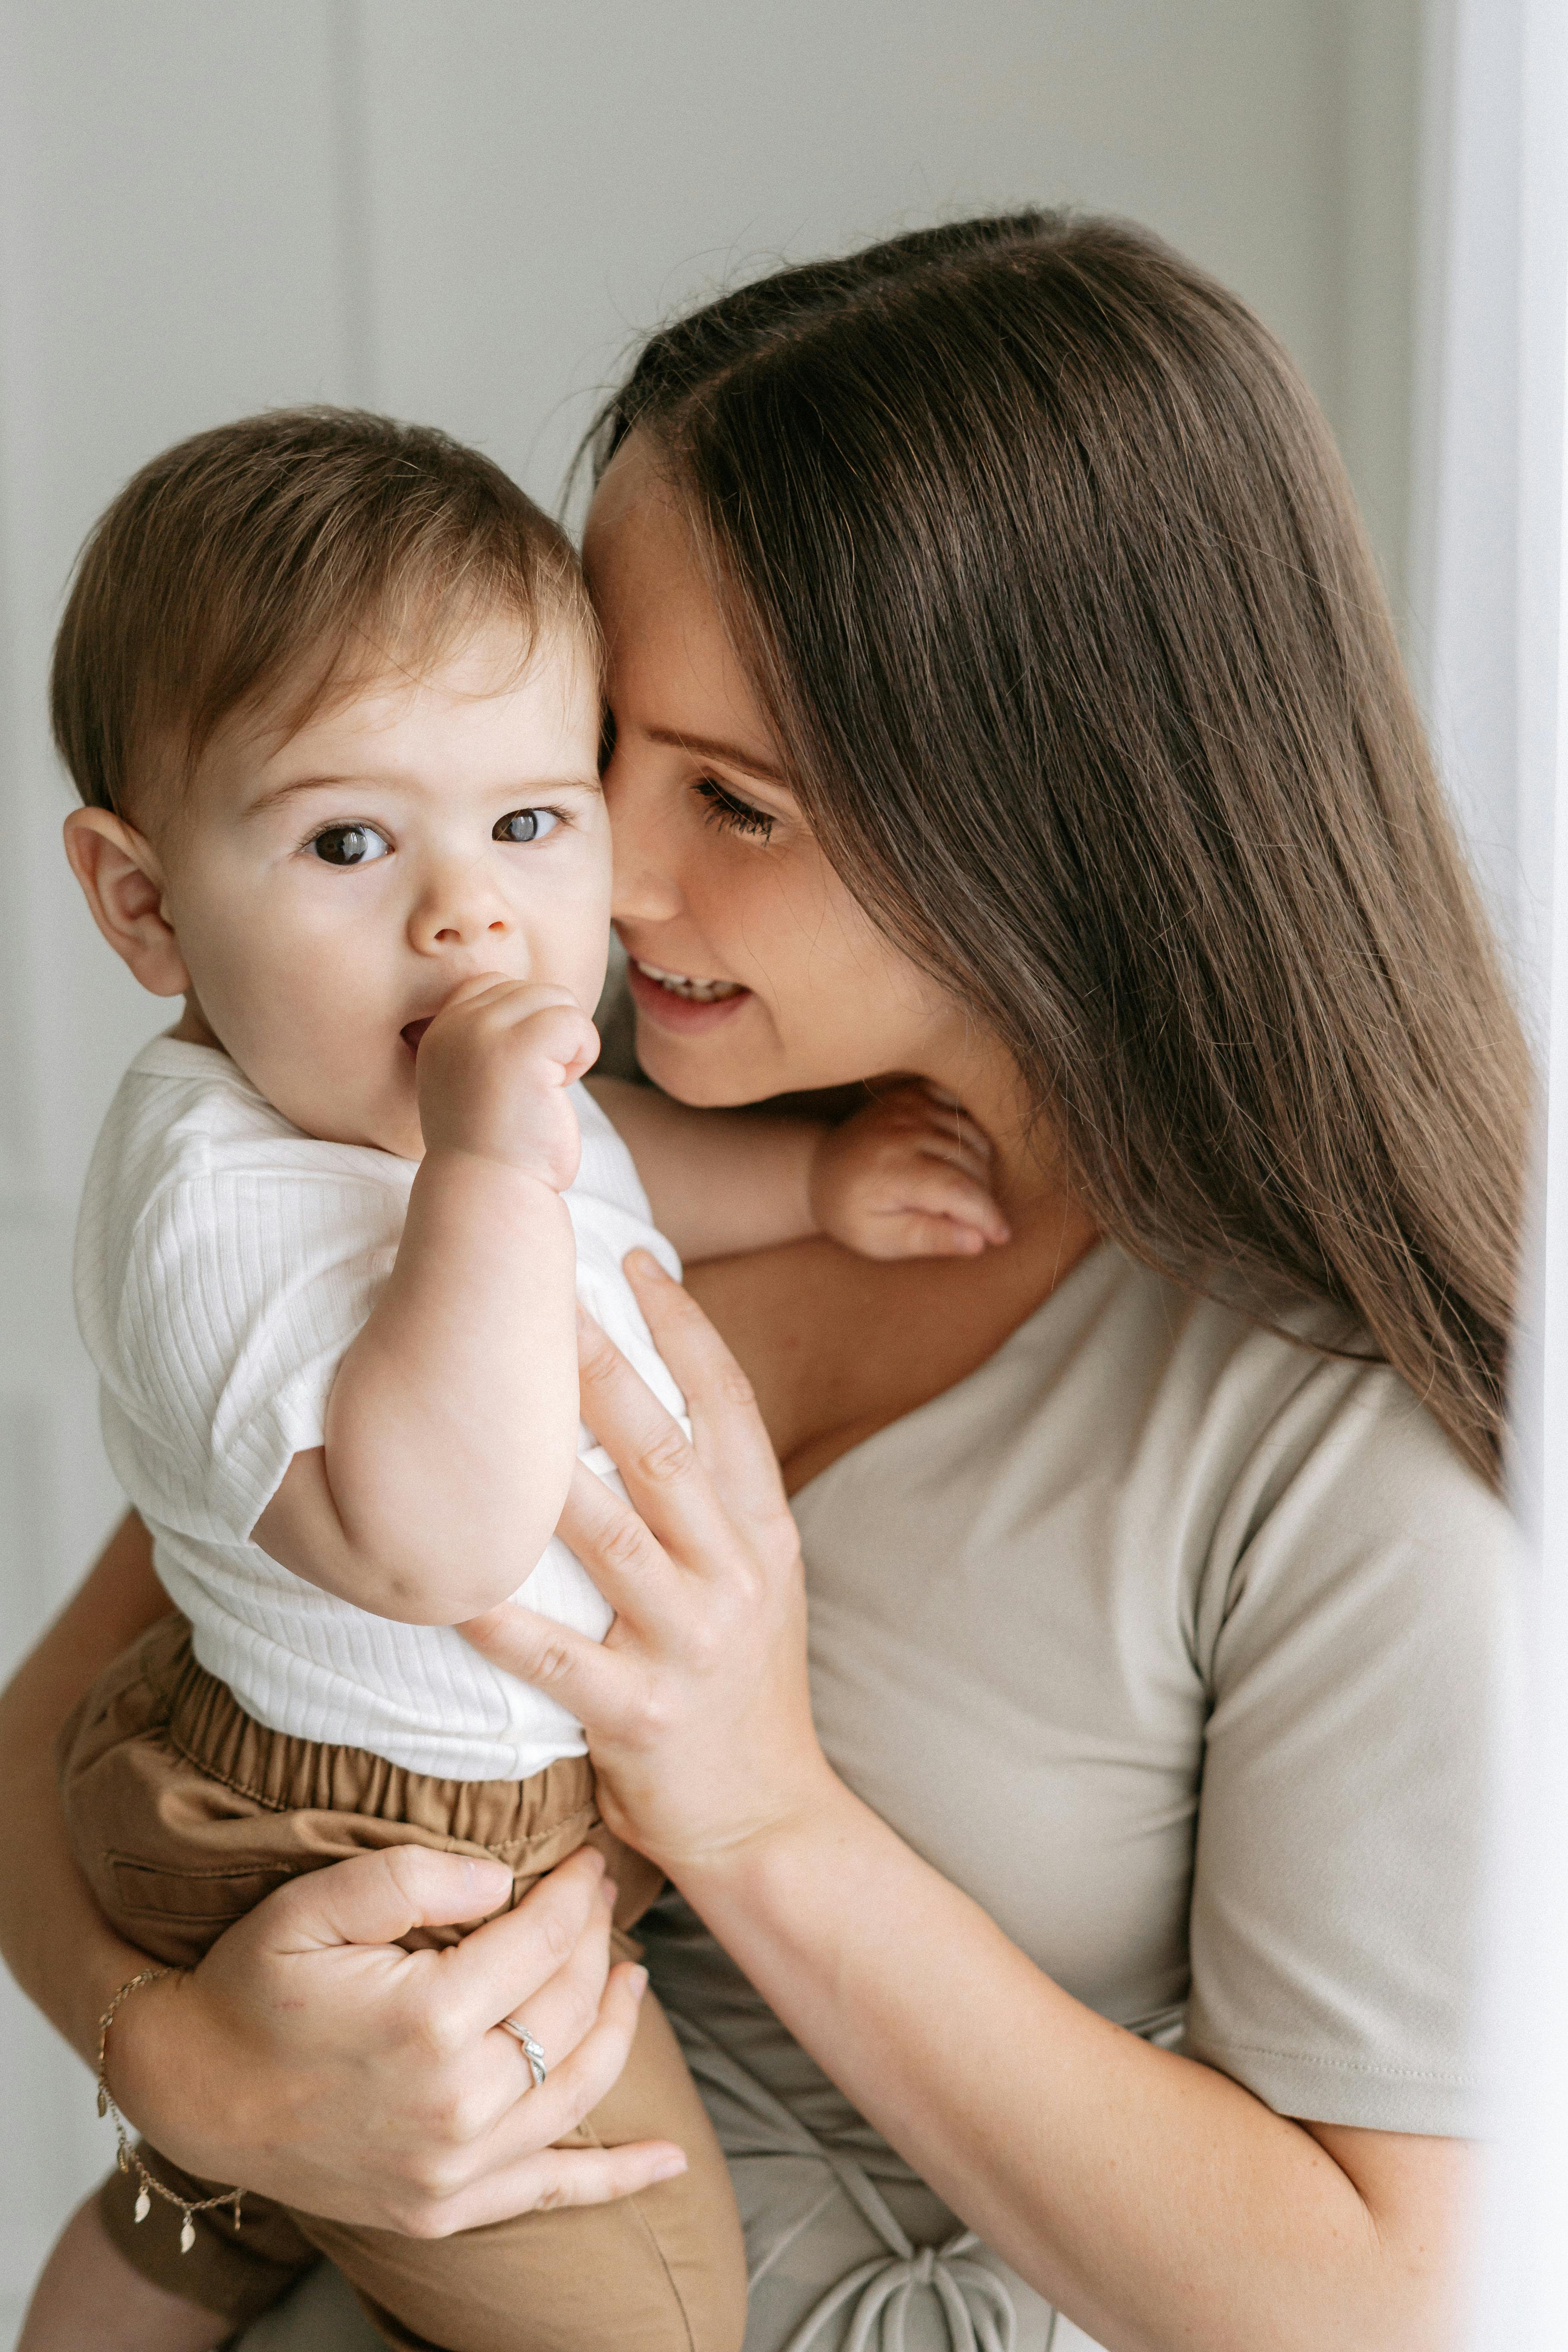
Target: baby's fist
{"type": "Point", "coordinates": [908, 1177]}
{"type": "Point", "coordinates": [494, 1068]}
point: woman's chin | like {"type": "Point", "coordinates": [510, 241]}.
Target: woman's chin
{"type": "Point", "coordinates": [707, 1066]}
{"type": "Point", "coordinates": [714, 1079]}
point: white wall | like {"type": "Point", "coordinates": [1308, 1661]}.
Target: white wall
{"type": "Point", "coordinates": [464, 210]}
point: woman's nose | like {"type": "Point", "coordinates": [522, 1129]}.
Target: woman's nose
{"type": "Point", "coordinates": [647, 886]}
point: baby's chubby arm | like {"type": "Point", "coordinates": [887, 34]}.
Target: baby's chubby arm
{"type": "Point", "coordinates": [451, 1428]}
{"type": "Point", "coordinates": [906, 1177]}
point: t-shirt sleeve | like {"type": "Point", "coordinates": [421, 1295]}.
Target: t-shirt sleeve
{"type": "Point", "coordinates": [242, 1291]}
{"type": "Point", "coordinates": [1361, 1647]}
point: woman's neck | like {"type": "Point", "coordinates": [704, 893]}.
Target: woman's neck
{"type": "Point", "coordinates": [1029, 1180]}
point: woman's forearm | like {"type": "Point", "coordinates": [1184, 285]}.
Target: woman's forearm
{"type": "Point", "coordinates": [53, 1938]}
{"type": "Point", "coordinates": [1157, 2202]}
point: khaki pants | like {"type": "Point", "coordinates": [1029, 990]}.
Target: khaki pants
{"type": "Point", "coordinates": [184, 1812]}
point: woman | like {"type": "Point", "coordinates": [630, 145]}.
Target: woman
{"type": "Point", "coordinates": [1002, 697]}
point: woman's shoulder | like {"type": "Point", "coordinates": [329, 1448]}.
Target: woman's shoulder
{"type": "Point", "coordinates": [1264, 1398]}
{"type": "Point", "coordinates": [1224, 1473]}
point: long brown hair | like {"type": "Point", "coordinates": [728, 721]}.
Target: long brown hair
{"type": "Point", "coordinates": [1053, 587]}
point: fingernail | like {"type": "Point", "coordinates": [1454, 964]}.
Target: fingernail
{"type": "Point", "coordinates": [643, 1262]}
{"type": "Point", "coordinates": [609, 1890]}
{"type": "Point", "coordinates": [669, 2168]}
{"type": "Point", "coordinates": [638, 1981]}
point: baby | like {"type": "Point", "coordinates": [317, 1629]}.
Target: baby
{"type": "Point", "coordinates": [329, 689]}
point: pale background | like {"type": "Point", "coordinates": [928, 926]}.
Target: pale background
{"type": "Point", "coordinates": [465, 211]}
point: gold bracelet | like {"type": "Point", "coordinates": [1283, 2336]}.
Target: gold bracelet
{"type": "Point", "coordinates": [128, 2160]}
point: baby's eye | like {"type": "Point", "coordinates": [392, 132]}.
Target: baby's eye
{"type": "Point", "coordinates": [349, 844]}
{"type": "Point", "coordinates": [525, 824]}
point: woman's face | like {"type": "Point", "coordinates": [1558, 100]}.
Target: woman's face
{"type": "Point", "coordinates": [753, 971]}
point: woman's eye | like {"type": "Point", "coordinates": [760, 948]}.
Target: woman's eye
{"type": "Point", "coordinates": [349, 844]}
{"type": "Point", "coordinates": [525, 824]}
{"type": "Point", "coordinates": [725, 808]}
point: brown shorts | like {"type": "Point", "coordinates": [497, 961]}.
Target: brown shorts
{"type": "Point", "coordinates": [184, 1812]}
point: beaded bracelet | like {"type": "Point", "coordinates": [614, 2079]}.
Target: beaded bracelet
{"type": "Point", "coordinates": [149, 2186]}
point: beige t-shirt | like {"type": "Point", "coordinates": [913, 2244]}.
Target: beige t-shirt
{"type": "Point", "coordinates": [1178, 1646]}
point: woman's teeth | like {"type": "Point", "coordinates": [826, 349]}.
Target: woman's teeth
{"type": "Point", "coordinates": [680, 983]}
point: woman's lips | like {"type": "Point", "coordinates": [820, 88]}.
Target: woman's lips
{"type": "Point", "coordinates": [683, 1006]}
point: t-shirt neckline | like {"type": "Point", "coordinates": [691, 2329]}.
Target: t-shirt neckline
{"type": "Point", "coordinates": [1098, 1252]}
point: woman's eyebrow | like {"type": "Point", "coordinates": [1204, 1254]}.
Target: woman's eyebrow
{"type": "Point", "coordinates": [709, 748]}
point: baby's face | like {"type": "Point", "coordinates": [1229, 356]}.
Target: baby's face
{"type": "Point", "coordinates": [330, 888]}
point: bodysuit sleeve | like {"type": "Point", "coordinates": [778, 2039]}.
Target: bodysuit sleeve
{"type": "Point", "coordinates": [242, 1289]}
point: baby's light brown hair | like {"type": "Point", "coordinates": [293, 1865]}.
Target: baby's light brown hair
{"type": "Point", "coordinates": [287, 555]}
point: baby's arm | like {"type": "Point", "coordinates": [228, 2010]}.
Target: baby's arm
{"type": "Point", "coordinates": [451, 1428]}
{"type": "Point", "coordinates": [718, 1182]}
{"type": "Point", "coordinates": [906, 1177]}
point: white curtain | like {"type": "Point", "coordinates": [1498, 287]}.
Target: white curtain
{"type": "Point", "coordinates": [1487, 579]}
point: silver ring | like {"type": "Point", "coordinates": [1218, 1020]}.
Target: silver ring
{"type": "Point", "coordinates": [531, 2049]}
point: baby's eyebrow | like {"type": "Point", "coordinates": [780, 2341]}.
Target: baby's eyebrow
{"type": "Point", "coordinates": [524, 793]}
{"type": "Point", "coordinates": [276, 793]}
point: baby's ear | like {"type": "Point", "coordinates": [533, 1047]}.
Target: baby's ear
{"type": "Point", "coordinates": [122, 882]}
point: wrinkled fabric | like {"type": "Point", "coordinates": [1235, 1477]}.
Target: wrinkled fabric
{"type": "Point", "coordinates": [846, 2249]}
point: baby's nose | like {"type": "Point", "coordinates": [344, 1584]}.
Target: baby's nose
{"type": "Point", "coordinates": [458, 910]}
{"type": "Point", "coordinates": [458, 933]}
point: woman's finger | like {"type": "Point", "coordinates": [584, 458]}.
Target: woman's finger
{"type": "Point", "coordinates": [534, 2115]}
{"type": "Point", "coordinates": [502, 1964]}
{"type": "Point", "coordinates": [378, 1899]}
{"type": "Point", "coordinates": [563, 2009]}
{"type": "Point", "coordinates": [588, 1677]}
{"type": "Point", "coordinates": [730, 1439]}
{"type": "Point", "coordinates": [669, 1483]}
{"type": "Point", "coordinates": [561, 2175]}
{"type": "Point", "coordinates": [622, 1554]}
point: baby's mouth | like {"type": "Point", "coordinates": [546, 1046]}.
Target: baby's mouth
{"type": "Point", "coordinates": [680, 983]}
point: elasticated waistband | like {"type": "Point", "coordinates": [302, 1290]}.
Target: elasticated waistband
{"type": "Point", "coordinates": [206, 1723]}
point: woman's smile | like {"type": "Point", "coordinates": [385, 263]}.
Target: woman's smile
{"type": "Point", "coordinates": [681, 1002]}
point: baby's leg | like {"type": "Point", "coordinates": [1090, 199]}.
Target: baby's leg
{"type": "Point", "coordinates": [660, 2271]}
{"type": "Point", "coordinates": [89, 2295]}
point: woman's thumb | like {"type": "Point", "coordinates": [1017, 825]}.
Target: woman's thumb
{"type": "Point", "coordinates": [378, 1899]}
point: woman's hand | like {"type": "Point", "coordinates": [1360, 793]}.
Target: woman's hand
{"type": "Point", "coordinates": [310, 2058]}
{"type": "Point", "coordinates": [696, 1705]}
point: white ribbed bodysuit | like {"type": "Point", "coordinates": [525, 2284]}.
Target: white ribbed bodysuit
{"type": "Point", "coordinates": [225, 1263]}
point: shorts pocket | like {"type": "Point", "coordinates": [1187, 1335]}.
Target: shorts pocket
{"type": "Point", "coordinates": [211, 1897]}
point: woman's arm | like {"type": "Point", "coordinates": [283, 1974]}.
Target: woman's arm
{"type": "Point", "coordinates": [307, 2057]}
{"type": "Point", "coordinates": [45, 1908]}
{"type": "Point", "coordinates": [1159, 2203]}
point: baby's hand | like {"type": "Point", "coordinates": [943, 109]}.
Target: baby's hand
{"type": "Point", "coordinates": [493, 1069]}
{"type": "Point", "coordinates": [910, 1177]}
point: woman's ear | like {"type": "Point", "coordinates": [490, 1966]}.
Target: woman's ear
{"type": "Point", "coordinates": [122, 882]}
